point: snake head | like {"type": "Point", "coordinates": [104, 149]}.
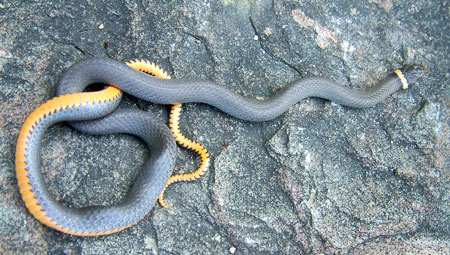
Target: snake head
{"type": "Point", "coordinates": [413, 73]}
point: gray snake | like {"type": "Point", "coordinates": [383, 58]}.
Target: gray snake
{"type": "Point", "coordinates": [95, 113]}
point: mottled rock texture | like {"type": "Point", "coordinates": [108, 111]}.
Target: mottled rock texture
{"type": "Point", "coordinates": [320, 179]}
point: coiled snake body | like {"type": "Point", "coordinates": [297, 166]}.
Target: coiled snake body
{"type": "Point", "coordinates": [96, 113]}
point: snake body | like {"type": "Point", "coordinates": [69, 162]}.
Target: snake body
{"type": "Point", "coordinates": [74, 105]}
{"type": "Point", "coordinates": [93, 220]}
{"type": "Point", "coordinates": [174, 125]}
{"type": "Point", "coordinates": [173, 91]}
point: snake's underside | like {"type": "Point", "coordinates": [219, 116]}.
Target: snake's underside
{"type": "Point", "coordinates": [96, 113]}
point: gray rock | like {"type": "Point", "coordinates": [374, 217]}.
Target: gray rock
{"type": "Point", "coordinates": [321, 178]}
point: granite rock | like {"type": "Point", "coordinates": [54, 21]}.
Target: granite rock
{"type": "Point", "coordinates": [320, 179]}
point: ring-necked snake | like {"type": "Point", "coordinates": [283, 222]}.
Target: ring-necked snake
{"type": "Point", "coordinates": [76, 106]}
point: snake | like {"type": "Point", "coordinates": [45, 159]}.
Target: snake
{"type": "Point", "coordinates": [98, 113]}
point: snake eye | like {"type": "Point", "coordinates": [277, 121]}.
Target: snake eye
{"type": "Point", "coordinates": [414, 72]}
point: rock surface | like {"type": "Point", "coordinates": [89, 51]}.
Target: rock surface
{"type": "Point", "coordinates": [321, 178]}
